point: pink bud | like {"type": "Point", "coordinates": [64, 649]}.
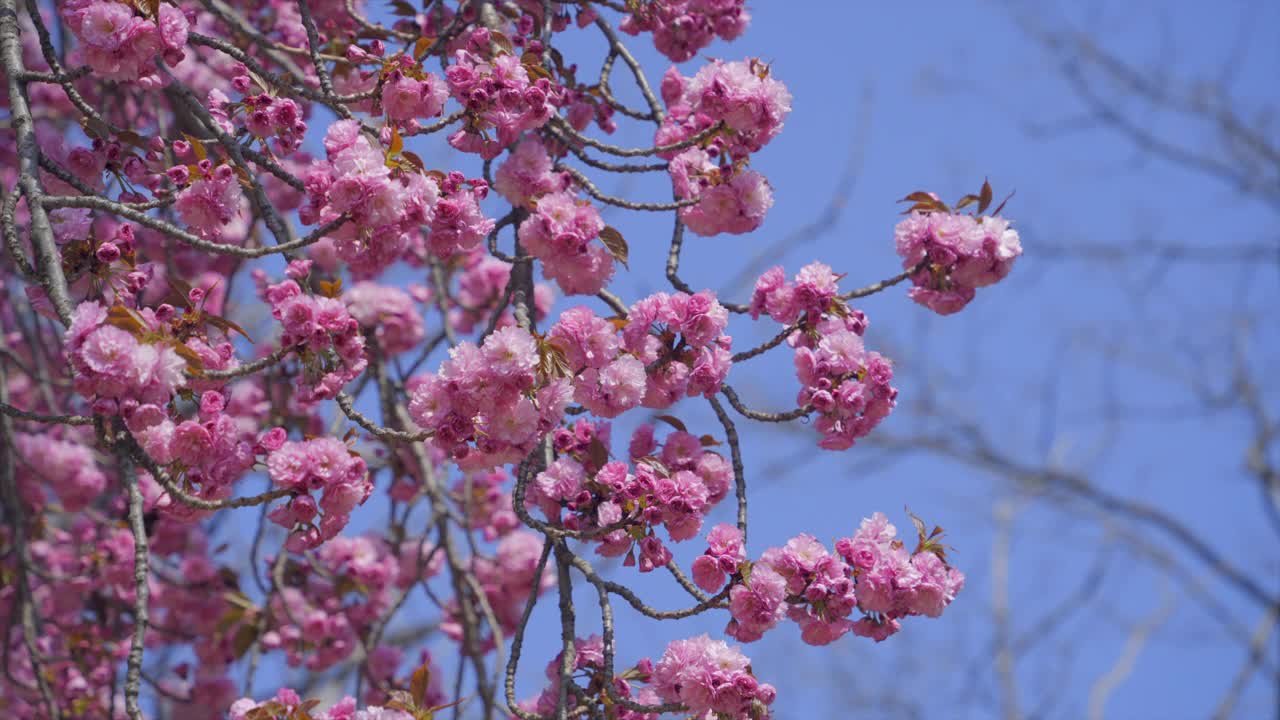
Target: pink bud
{"type": "Point", "coordinates": [211, 404]}
{"type": "Point", "coordinates": [273, 439]}
{"type": "Point", "coordinates": [107, 253]}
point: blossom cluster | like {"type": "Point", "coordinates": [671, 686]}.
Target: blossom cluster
{"type": "Point", "coordinates": [81, 650]}
{"type": "Point", "coordinates": [85, 584]}
{"type": "Point", "coordinates": [386, 210]}
{"type": "Point", "coordinates": [121, 43]}
{"type": "Point", "coordinates": [325, 335]}
{"type": "Point", "coordinates": [871, 572]}
{"type": "Point", "coordinates": [484, 498]}
{"type": "Point", "coordinates": [813, 293]}
{"type": "Point", "coordinates": [527, 173]}
{"type": "Point", "coordinates": [561, 225]}
{"type": "Point", "coordinates": [589, 665]}
{"type": "Point", "coordinates": [711, 678]}
{"type": "Point", "coordinates": [458, 224]}
{"type": "Point", "coordinates": [211, 198]}
{"type": "Point", "coordinates": [211, 450]}
{"type": "Point", "coordinates": [118, 369]}
{"type": "Point", "coordinates": [732, 198]}
{"type": "Point", "coordinates": [286, 705]}
{"type": "Point", "coordinates": [482, 281]}
{"type": "Point", "coordinates": [498, 94]}
{"type": "Point", "coordinates": [85, 164]}
{"type": "Point", "coordinates": [683, 335]}
{"type": "Point", "coordinates": [191, 121]}
{"type": "Point", "coordinates": [409, 94]}
{"type": "Point", "coordinates": [749, 105]}
{"type": "Point", "coordinates": [846, 384]}
{"type": "Point", "coordinates": [489, 404]}
{"type": "Point", "coordinates": [66, 467]}
{"type": "Point", "coordinates": [670, 346]}
{"type": "Point", "coordinates": [955, 253]}
{"type": "Point", "coordinates": [325, 464]}
{"type": "Point", "coordinates": [333, 597]}
{"type": "Point", "coordinates": [507, 578]}
{"type": "Point", "coordinates": [141, 165]}
{"type": "Point", "coordinates": [742, 94]}
{"type": "Point", "coordinates": [559, 233]}
{"type": "Point", "coordinates": [681, 28]}
{"type": "Point", "coordinates": [674, 485]}
{"type": "Point", "coordinates": [723, 558]}
{"type": "Point", "coordinates": [387, 311]}
{"type": "Point", "coordinates": [107, 251]}
{"type": "Point", "coordinates": [265, 116]}
{"type": "Point", "coordinates": [606, 380]}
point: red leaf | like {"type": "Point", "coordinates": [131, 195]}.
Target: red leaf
{"type": "Point", "coordinates": [984, 199]}
{"type": "Point", "coordinates": [674, 422]}
{"type": "Point", "coordinates": [226, 326]}
{"type": "Point", "coordinates": [196, 146]}
{"type": "Point", "coordinates": [422, 47]}
{"type": "Point", "coordinates": [615, 244]}
{"type": "Point", "coordinates": [420, 684]}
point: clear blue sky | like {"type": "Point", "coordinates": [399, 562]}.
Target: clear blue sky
{"type": "Point", "coordinates": [937, 96]}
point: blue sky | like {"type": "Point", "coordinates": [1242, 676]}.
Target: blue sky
{"type": "Point", "coordinates": [1082, 365]}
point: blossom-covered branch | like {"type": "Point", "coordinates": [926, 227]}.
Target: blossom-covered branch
{"type": "Point", "coordinates": [380, 355]}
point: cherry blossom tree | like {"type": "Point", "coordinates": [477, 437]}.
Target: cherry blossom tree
{"type": "Point", "coordinates": [227, 265]}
